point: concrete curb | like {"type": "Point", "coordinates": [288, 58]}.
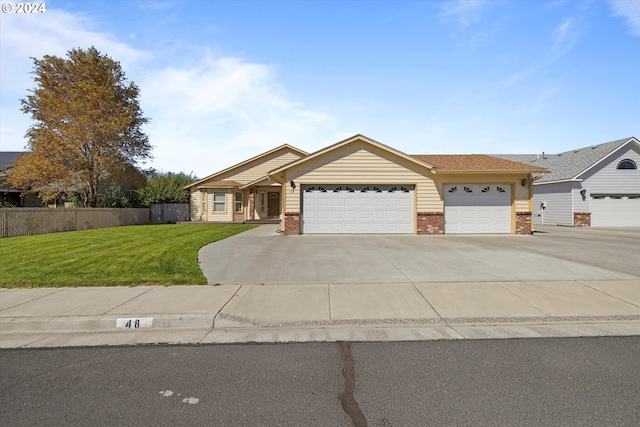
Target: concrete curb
{"type": "Point", "coordinates": [109, 323]}
{"type": "Point", "coordinates": [325, 334]}
{"type": "Point", "coordinates": [104, 323]}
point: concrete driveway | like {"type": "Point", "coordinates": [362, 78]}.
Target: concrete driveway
{"type": "Point", "coordinates": [260, 256]}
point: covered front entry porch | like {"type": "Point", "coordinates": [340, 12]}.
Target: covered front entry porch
{"type": "Point", "coordinates": [264, 204]}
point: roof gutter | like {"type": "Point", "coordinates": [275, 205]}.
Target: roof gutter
{"type": "Point", "coordinates": [469, 172]}
{"type": "Point", "coordinates": [559, 180]}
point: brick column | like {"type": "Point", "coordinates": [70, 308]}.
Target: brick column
{"type": "Point", "coordinates": [291, 223]}
{"type": "Point", "coordinates": [252, 204]}
{"type": "Point", "coordinates": [430, 222]}
{"type": "Point", "coordinates": [582, 219]}
{"type": "Point", "coordinates": [523, 222]}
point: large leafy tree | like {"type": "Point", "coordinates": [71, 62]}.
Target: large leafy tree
{"type": "Point", "coordinates": [165, 187]}
{"type": "Point", "coordinates": [87, 128]}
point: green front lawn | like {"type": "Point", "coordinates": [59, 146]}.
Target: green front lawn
{"type": "Point", "coordinates": [141, 254]}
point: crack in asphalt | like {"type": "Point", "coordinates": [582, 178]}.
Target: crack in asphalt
{"type": "Point", "coordinates": [349, 404]}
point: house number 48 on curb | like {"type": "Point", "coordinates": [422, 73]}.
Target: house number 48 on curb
{"type": "Point", "coordinates": [134, 323]}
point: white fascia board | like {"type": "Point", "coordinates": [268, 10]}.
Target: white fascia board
{"type": "Point", "coordinates": [560, 180]}
{"type": "Point", "coordinates": [629, 141]}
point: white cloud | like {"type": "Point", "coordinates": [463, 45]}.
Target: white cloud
{"type": "Point", "coordinates": [204, 117]}
{"type": "Point", "coordinates": [462, 11]}
{"type": "Point", "coordinates": [566, 35]}
{"type": "Point", "coordinates": [219, 112]}
{"type": "Point", "coordinates": [24, 36]}
{"type": "Point", "coordinates": [628, 10]}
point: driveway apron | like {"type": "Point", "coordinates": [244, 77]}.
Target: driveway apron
{"type": "Point", "coordinates": [261, 256]}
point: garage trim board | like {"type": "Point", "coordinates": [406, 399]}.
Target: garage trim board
{"type": "Point", "coordinates": [358, 209]}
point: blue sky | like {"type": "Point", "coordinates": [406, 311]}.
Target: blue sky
{"type": "Point", "coordinates": [226, 80]}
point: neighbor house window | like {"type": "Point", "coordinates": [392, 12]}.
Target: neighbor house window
{"type": "Point", "coordinates": [238, 201]}
{"type": "Point", "coordinates": [262, 201]}
{"type": "Point", "coordinates": [219, 201]}
{"type": "Point", "coordinates": [627, 164]}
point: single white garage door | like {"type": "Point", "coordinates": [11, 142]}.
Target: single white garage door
{"type": "Point", "coordinates": [615, 210]}
{"type": "Point", "coordinates": [357, 209]}
{"type": "Point", "coordinates": [477, 209]}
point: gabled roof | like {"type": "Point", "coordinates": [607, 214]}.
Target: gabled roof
{"type": "Point", "coordinates": [260, 181]}
{"type": "Point", "coordinates": [8, 158]}
{"type": "Point", "coordinates": [219, 184]}
{"type": "Point", "coordinates": [357, 137]}
{"type": "Point", "coordinates": [253, 159]}
{"type": "Point", "coordinates": [571, 164]}
{"type": "Point", "coordinates": [476, 163]}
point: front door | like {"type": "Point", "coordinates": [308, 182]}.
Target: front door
{"type": "Point", "coordinates": [273, 209]}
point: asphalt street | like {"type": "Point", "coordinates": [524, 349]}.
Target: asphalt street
{"type": "Point", "coordinates": [537, 382]}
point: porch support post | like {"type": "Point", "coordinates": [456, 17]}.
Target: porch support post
{"type": "Point", "coordinates": [252, 204]}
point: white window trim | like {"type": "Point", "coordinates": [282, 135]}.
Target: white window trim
{"type": "Point", "coordinates": [217, 203]}
{"type": "Point", "coordinates": [236, 201]}
{"type": "Point", "coordinates": [263, 199]}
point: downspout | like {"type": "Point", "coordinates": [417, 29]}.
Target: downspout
{"type": "Point", "coordinates": [572, 207]}
{"type": "Point", "coordinates": [531, 198]}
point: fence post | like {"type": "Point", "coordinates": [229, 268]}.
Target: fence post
{"type": "Point", "coordinates": [5, 223]}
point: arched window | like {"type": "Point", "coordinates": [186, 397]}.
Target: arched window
{"type": "Point", "coordinates": [627, 164]}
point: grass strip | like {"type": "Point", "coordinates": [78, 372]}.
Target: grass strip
{"type": "Point", "coordinates": [164, 254]}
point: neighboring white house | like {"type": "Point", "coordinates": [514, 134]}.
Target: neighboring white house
{"type": "Point", "coordinates": [595, 186]}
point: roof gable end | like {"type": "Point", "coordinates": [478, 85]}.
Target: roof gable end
{"type": "Point", "coordinates": [572, 164]}
{"type": "Point", "coordinates": [255, 159]}
{"type": "Point", "coordinates": [345, 142]}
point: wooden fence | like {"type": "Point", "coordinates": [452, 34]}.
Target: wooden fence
{"type": "Point", "coordinates": [26, 221]}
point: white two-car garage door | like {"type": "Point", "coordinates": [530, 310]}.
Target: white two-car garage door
{"type": "Point", "coordinates": [477, 209]}
{"type": "Point", "coordinates": [357, 209]}
{"type": "Point", "coordinates": [615, 210]}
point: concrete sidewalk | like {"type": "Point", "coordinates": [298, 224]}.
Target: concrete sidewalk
{"type": "Point", "coordinates": [52, 317]}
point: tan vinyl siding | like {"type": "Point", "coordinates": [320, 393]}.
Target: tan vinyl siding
{"type": "Point", "coordinates": [258, 169]}
{"type": "Point", "coordinates": [361, 163]}
{"type": "Point", "coordinates": [227, 215]}
{"type": "Point", "coordinates": [196, 212]}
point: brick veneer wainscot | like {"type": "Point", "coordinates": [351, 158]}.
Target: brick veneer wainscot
{"type": "Point", "coordinates": [430, 222]}
{"type": "Point", "coordinates": [523, 222]}
{"type": "Point", "coordinates": [582, 219]}
{"type": "Point", "coordinates": [291, 223]}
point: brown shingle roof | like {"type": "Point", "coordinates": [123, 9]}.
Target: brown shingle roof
{"type": "Point", "coordinates": [475, 162]}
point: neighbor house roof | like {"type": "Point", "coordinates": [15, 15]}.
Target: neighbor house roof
{"type": "Point", "coordinates": [8, 158]}
{"type": "Point", "coordinates": [476, 163]}
{"type": "Point", "coordinates": [570, 164]}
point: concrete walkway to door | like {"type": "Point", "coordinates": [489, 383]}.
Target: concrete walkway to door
{"type": "Point", "coordinates": [260, 256]}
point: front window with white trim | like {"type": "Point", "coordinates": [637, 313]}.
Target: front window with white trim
{"type": "Point", "coordinates": [262, 201]}
{"type": "Point", "coordinates": [238, 201]}
{"type": "Point", "coordinates": [219, 201]}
